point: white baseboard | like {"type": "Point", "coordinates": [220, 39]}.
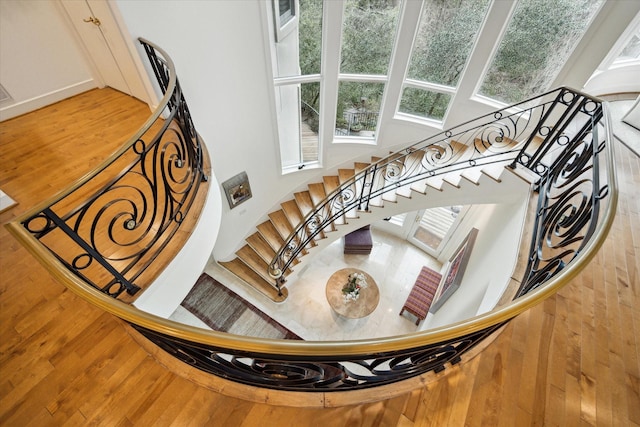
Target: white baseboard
{"type": "Point", "coordinates": [26, 106]}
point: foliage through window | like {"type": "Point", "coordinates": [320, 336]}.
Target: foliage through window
{"type": "Point", "coordinates": [540, 37]}
{"type": "Point", "coordinates": [367, 36]}
{"type": "Point", "coordinates": [424, 103]}
{"type": "Point", "coordinates": [445, 37]}
{"type": "Point", "coordinates": [352, 42]}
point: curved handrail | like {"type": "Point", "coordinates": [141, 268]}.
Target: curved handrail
{"type": "Point", "coordinates": [329, 365]}
{"type": "Point", "coordinates": [512, 133]}
{"type": "Point", "coordinates": [109, 226]}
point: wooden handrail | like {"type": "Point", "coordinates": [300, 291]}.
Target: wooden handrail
{"type": "Point", "coordinates": [283, 352]}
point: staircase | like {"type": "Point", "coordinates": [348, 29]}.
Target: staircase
{"type": "Point", "coordinates": [462, 165]}
{"type": "Point", "coordinates": [252, 260]}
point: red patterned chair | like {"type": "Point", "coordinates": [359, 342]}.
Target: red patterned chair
{"type": "Point", "coordinates": [422, 294]}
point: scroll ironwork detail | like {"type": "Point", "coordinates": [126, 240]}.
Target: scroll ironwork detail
{"type": "Point", "coordinates": [109, 230]}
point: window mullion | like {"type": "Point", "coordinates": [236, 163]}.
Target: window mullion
{"type": "Point", "coordinates": [331, 42]}
{"type": "Point", "coordinates": [407, 25]}
{"type": "Point", "coordinates": [487, 42]}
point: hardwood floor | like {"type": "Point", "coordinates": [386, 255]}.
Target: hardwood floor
{"type": "Point", "coordinates": [573, 360]}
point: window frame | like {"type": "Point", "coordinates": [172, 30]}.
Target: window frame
{"type": "Point", "coordinates": [282, 29]}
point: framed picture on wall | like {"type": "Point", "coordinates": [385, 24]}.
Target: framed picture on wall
{"type": "Point", "coordinates": [237, 189]}
{"type": "Point", "coordinates": [454, 270]}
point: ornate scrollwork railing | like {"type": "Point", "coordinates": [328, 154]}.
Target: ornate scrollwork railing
{"type": "Point", "coordinates": [531, 134]}
{"type": "Point", "coordinates": [560, 136]}
{"type": "Point", "coordinates": [563, 141]}
{"type": "Point", "coordinates": [109, 228]}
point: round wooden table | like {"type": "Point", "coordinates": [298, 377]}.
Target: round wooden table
{"type": "Point", "coordinates": [363, 306]}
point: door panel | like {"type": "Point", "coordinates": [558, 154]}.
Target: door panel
{"type": "Point", "coordinates": [433, 227]}
{"type": "Point", "coordinates": [115, 38]}
{"type": "Point", "coordinates": [103, 41]}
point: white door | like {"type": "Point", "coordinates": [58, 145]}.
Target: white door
{"type": "Point", "coordinates": [106, 46]}
{"type": "Point", "coordinates": [432, 228]}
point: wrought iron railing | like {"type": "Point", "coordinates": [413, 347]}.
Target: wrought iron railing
{"type": "Point", "coordinates": [561, 138]}
{"type": "Point", "coordinates": [532, 134]}
{"type": "Point", "coordinates": [310, 115]}
{"type": "Point", "coordinates": [109, 228]}
{"type": "Point", "coordinates": [358, 121]}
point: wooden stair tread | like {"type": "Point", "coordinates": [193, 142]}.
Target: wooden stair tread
{"type": "Point", "coordinates": [270, 235]}
{"type": "Point", "coordinates": [345, 175]}
{"type": "Point", "coordinates": [458, 146]}
{"type": "Point", "coordinates": [330, 183]}
{"type": "Point", "coordinates": [292, 212]}
{"type": "Point", "coordinates": [253, 260]}
{"type": "Point", "coordinates": [377, 180]}
{"type": "Point", "coordinates": [242, 271]}
{"type": "Point", "coordinates": [318, 194]}
{"type": "Point", "coordinates": [412, 165]}
{"type": "Point", "coordinates": [262, 248]}
{"type": "Point", "coordinates": [305, 205]}
{"type": "Point", "coordinates": [295, 217]}
{"type": "Point", "coordinates": [283, 226]}
{"type": "Point", "coordinates": [360, 166]}
{"type": "Point", "coordinates": [304, 201]}
{"type": "Point", "coordinates": [281, 223]}
{"type": "Point", "coordinates": [506, 144]}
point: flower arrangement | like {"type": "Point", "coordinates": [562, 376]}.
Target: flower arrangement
{"type": "Point", "coordinates": [355, 282]}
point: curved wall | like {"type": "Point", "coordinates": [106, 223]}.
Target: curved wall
{"type": "Point", "coordinates": [174, 283]}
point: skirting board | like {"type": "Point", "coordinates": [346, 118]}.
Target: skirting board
{"type": "Point", "coordinates": [26, 106]}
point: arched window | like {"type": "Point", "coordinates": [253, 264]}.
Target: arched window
{"type": "Point", "coordinates": [352, 66]}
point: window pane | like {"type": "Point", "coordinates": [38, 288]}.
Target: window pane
{"type": "Point", "coordinates": [424, 103]}
{"type": "Point", "coordinates": [286, 11]}
{"type": "Point", "coordinates": [367, 36]}
{"type": "Point", "coordinates": [309, 108]}
{"type": "Point", "coordinates": [445, 37]}
{"type": "Point", "coordinates": [288, 98]}
{"type": "Point", "coordinates": [435, 224]}
{"type": "Point", "coordinates": [632, 49]}
{"type": "Point", "coordinates": [310, 36]}
{"type": "Point", "coordinates": [358, 107]}
{"type": "Point", "coordinates": [539, 39]}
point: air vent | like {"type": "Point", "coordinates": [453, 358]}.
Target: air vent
{"type": "Point", "coordinates": [4, 95]}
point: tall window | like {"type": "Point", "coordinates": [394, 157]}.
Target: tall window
{"type": "Point", "coordinates": [539, 39]}
{"type": "Point", "coordinates": [351, 56]}
{"type": "Point", "coordinates": [444, 41]}
{"type": "Point", "coordinates": [297, 71]}
{"type": "Point", "coordinates": [368, 31]}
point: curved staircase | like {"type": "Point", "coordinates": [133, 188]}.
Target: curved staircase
{"type": "Point", "coordinates": [471, 184]}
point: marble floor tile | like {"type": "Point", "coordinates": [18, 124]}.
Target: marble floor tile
{"type": "Point", "coordinates": [393, 263]}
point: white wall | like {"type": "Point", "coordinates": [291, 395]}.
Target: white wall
{"type": "Point", "coordinates": [622, 78]}
{"type": "Point", "coordinates": [40, 62]}
{"type": "Point", "coordinates": [490, 265]}
{"type": "Point", "coordinates": [219, 51]}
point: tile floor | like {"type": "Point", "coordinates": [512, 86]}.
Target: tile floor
{"type": "Point", "coordinates": [393, 263]}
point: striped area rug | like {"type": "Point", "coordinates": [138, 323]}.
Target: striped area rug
{"type": "Point", "coordinates": [223, 310]}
